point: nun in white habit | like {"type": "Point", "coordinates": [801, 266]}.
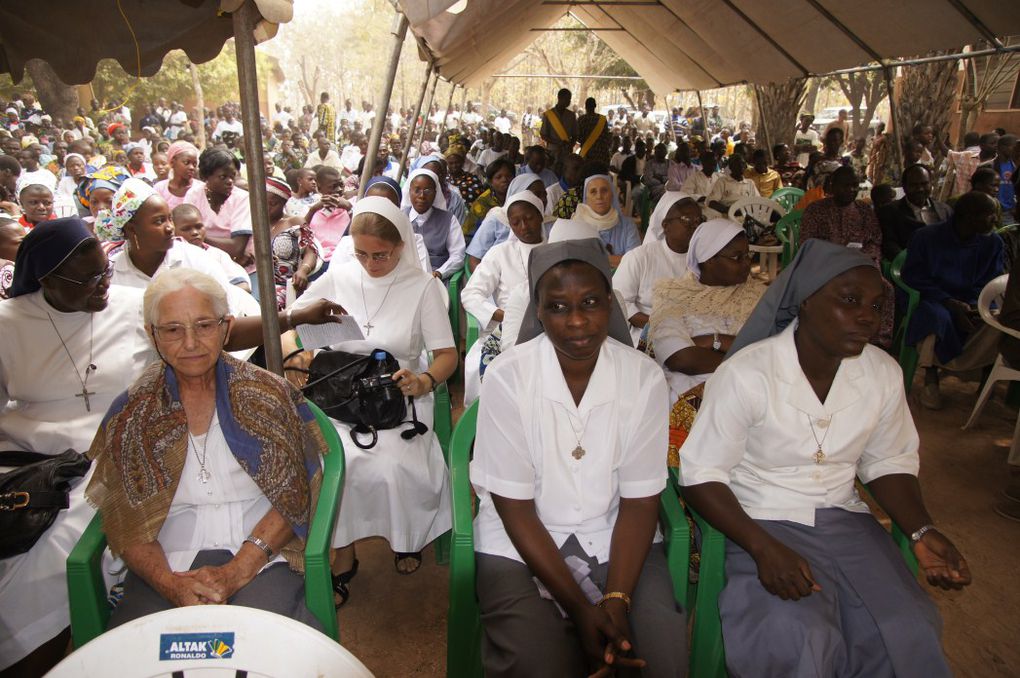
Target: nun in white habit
{"type": "Point", "coordinates": [676, 216]}
{"type": "Point", "coordinates": [425, 206]}
{"type": "Point", "coordinates": [488, 291]}
{"type": "Point", "coordinates": [397, 489]}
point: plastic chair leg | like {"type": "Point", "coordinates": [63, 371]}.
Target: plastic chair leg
{"type": "Point", "coordinates": [442, 548]}
{"type": "Point", "coordinates": [708, 656]}
{"type": "Point", "coordinates": [986, 392]}
{"type": "Point", "coordinates": [909, 358]}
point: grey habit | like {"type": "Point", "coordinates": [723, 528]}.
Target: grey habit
{"type": "Point", "coordinates": [524, 634]}
{"type": "Point", "coordinates": [871, 619]}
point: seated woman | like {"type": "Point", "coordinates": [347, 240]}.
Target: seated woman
{"type": "Point", "coordinates": [802, 406]}
{"type": "Point", "coordinates": [499, 173]}
{"type": "Point", "coordinates": [294, 251]}
{"type": "Point", "coordinates": [495, 226]}
{"type": "Point", "coordinates": [183, 159]}
{"type": "Point", "coordinates": [139, 217]}
{"type": "Point", "coordinates": [571, 575]}
{"type": "Point", "coordinates": [469, 185]}
{"type": "Point", "coordinates": [695, 317]}
{"type": "Point", "coordinates": [437, 165]}
{"type": "Point", "coordinates": [397, 489]}
{"type": "Point", "coordinates": [75, 167]}
{"type": "Point", "coordinates": [425, 206]}
{"type": "Point", "coordinates": [225, 209]}
{"type": "Point", "coordinates": [239, 455]}
{"type": "Point", "coordinates": [844, 220]}
{"type": "Point", "coordinates": [487, 292]}
{"type": "Point", "coordinates": [11, 235]}
{"type": "Point", "coordinates": [601, 209]}
{"type": "Point", "coordinates": [676, 215]}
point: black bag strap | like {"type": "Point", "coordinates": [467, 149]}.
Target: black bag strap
{"type": "Point", "coordinates": [36, 499]}
{"type": "Point", "coordinates": [353, 363]}
{"type": "Point", "coordinates": [361, 429]}
{"type": "Point", "coordinates": [21, 458]}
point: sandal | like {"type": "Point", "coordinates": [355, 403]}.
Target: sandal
{"type": "Point", "coordinates": [340, 582]}
{"type": "Point", "coordinates": [398, 556]}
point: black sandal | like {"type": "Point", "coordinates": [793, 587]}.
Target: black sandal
{"type": "Point", "coordinates": [398, 556]}
{"type": "Point", "coordinates": [340, 582]}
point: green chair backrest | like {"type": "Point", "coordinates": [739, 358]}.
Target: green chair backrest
{"type": "Point", "coordinates": [788, 232]}
{"type": "Point", "coordinates": [90, 612]}
{"type": "Point", "coordinates": [787, 197]}
{"type": "Point", "coordinates": [906, 355]}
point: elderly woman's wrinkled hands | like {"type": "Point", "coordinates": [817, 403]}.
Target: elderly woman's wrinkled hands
{"type": "Point", "coordinates": [943, 565]}
{"type": "Point", "coordinates": [183, 589]}
{"type": "Point", "coordinates": [317, 313]}
{"type": "Point", "coordinates": [220, 582]}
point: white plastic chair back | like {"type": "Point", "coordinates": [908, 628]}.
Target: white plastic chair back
{"type": "Point", "coordinates": [992, 294]}
{"type": "Point", "coordinates": [212, 641]}
{"type": "Point", "coordinates": [756, 207]}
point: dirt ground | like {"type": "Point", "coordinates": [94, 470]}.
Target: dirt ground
{"type": "Point", "coordinates": [396, 624]}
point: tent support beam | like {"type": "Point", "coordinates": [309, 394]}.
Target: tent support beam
{"type": "Point", "coordinates": [399, 31]}
{"type": "Point", "coordinates": [895, 63]}
{"type": "Point", "coordinates": [244, 20]}
{"type": "Point", "coordinates": [768, 38]}
{"type": "Point", "coordinates": [568, 30]}
{"type": "Point", "coordinates": [605, 3]}
{"type": "Point", "coordinates": [831, 18]}
{"type": "Point", "coordinates": [894, 113]}
{"type": "Point", "coordinates": [974, 21]}
{"type": "Point", "coordinates": [414, 121]}
{"type": "Point", "coordinates": [428, 109]}
{"type": "Point", "coordinates": [696, 62]}
{"type": "Point", "coordinates": [446, 113]}
{"type": "Point", "coordinates": [579, 77]}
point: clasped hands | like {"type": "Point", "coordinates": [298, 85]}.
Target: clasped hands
{"type": "Point", "coordinates": [604, 632]}
{"type": "Point", "coordinates": [209, 585]}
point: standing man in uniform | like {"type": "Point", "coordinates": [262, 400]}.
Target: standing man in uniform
{"type": "Point", "coordinates": [559, 126]}
{"type": "Point", "coordinates": [594, 135]}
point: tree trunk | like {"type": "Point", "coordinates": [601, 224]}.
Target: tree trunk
{"type": "Point", "coordinates": [780, 105]}
{"type": "Point", "coordinates": [196, 83]}
{"type": "Point", "coordinates": [55, 97]}
{"type": "Point", "coordinates": [811, 97]}
{"type": "Point", "coordinates": [927, 94]}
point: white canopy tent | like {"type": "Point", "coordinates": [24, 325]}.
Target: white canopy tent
{"type": "Point", "coordinates": [703, 44]}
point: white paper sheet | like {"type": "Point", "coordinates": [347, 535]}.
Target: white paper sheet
{"type": "Point", "coordinates": [328, 334]}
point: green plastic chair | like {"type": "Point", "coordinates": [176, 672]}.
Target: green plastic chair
{"type": "Point", "coordinates": [471, 335]}
{"type": "Point", "coordinates": [787, 197]}
{"type": "Point", "coordinates": [708, 655]}
{"type": "Point", "coordinates": [463, 623]}
{"type": "Point", "coordinates": [906, 354]}
{"type": "Point", "coordinates": [788, 232]}
{"type": "Point", "coordinates": [442, 424]}
{"type": "Point", "coordinates": [454, 287]}
{"type": "Point", "coordinates": [90, 611]}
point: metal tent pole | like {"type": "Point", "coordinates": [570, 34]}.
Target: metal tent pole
{"type": "Point", "coordinates": [414, 121]}
{"type": "Point", "coordinates": [244, 20]}
{"type": "Point", "coordinates": [446, 113]}
{"type": "Point", "coordinates": [428, 109]}
{"type": "Point", "coordinates": [399, 31]}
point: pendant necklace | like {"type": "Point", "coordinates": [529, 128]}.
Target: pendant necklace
{"type": "Point", "coordinates": [578, 451]}
{"type": "Point", "coordinates": [368, 318]}
{"type": "Point", "coordinates": [819, 455]}
{"type": "Point", "coordinates": [85, 392]}
{"type": "Point", "coordinates": [203, 474]}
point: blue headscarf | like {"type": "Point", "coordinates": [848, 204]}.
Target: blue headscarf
{"type": "Point", "coordinates": [380, 179]}
{"type": "Point", "coordinates": [44, 250]}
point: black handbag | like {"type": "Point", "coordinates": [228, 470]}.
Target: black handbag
{"type": "Point", "coordinates": [359, 390]}
{"type": "Point", "coordinates": [33, 494]}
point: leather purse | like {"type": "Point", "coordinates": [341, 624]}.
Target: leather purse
{"type": "Point", "coordinates": [33, 494]}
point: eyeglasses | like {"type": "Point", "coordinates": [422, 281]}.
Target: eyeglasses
{"type": "Point", "coordinates": [88, 282]}
{"type": "Point", "coordinates": [375, 256]}
{"type": "Point", "coordinates": [172, 333]}
{"type": "Point", "coordinates": [417, 191]}
{"type": "Point", "coordinates": [736, 258]}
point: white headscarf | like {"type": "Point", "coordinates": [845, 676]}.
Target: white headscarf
{"type": "Point", "coordinates": [708, 239]}
{"type": "Point", "coordinates": [584, 212]}
{"type": "Point", "coordinates": [571, 229]}
{"type": "Point", "coordinates": [668, 199]}
{"type": "Point", "coordinates": [523, 196]}
{"type": "Point", "coordinates": [521, 183]}
{"type": "Point", "coordinates": [387, 210]}
{"type": "Point", "coordinates": [440, 199]}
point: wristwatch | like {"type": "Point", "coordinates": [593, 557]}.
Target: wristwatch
{"type": "Point", "coordinates": [716, 344]}
{"type": "Point", "coordinates": [921, 531]}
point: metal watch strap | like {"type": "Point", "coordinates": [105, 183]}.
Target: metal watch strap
{"type": "Point", "coordinates": [921, 531]}
{"type": "Point", "coordinates": [262, 544]}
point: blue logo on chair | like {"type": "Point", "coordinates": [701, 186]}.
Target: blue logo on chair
{"type": "Point", "coordinates": [176, 646]}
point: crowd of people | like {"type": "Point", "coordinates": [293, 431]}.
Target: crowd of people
{"type": "Point", "coordinates": [610, 350]}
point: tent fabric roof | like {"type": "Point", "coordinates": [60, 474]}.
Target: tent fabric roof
{"type": "Point", "coordinates": [704, 44]}
{"type": "Point", "coordinates": [72, 36]}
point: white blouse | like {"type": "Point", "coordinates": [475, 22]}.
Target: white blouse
{"type": "Point", "coordinates": [529, 426]}
{"type": "Point", "coordinates": [760, 425]}
{"type": "Point", "coordinates": [638, 272]}
{"type": "Point", "coordinates": [215, 515]}
{"type": "Point", "coordinates": [503, 268]}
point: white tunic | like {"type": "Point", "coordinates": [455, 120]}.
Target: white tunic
{"type": "Point", "coordinates": [503, 268]}
{"type": "Point", "coordinates": [40, 412]}
{"type": "Point", "coordinates": [399, 488]}
{"type": "Point", "coordinates": [753, 431]}
{"type": "Point", "coordinates": [529, 425]}
{"type": "Point", "coordinates": [638, 272]}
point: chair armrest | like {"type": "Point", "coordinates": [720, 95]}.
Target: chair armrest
{"type": "Point", "coordinates": [473, 330]}
{"type": "Point", "coordinates": [442, 419]}
{"type": "Point", "coordinates": [86, 589]}
{"type": "Point", "coordinates": [318, 576]}
{"type": "Point", "coordinates": [677, 535]}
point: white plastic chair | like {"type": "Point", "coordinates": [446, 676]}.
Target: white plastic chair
{"type": "Point", "coordinates": [760, 209]}
{"type": "Point", "coordinates": [992, 294]}
{"type": "Point", "coordinates": [212, 640]}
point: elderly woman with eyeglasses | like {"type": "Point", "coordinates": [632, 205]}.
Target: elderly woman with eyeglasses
{"type": "Point", "coordinates": [695, 317]}
{"type": "Point", "coordinates": [674, 220]}
{"type": "Point", "coordinates": [218, 513]}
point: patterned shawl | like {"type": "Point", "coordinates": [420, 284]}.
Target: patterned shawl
{"type": "Point", "coordinates": [141, 446]}
{"type": "Point", "coordinates": [676, 298]}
